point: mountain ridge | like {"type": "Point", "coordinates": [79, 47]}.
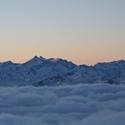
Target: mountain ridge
{"type": "Point", "coordinates": [52, 59]}
{"type": "Point", "coordinates": [40, 71]}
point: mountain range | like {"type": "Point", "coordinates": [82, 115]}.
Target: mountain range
{"type": "Point", "coordinates": [40, 71]}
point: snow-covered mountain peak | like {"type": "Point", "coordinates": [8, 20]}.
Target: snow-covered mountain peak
{"type": "Point", "coordinates": [35, 61]}
{"type": "Point", "coordinates": [39, 69]}
{"type": "Point", "coordinates": [38, 58]}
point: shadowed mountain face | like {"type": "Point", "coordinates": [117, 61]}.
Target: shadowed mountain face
{"type": "Point", "coordinates": [40, 71]}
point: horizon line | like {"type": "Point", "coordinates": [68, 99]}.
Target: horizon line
{"type": "Point", "coordinates": [30, 58]}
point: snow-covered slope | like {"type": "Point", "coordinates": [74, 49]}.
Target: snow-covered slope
{"type": "Point", "coordinates": [113, 73]}
{"type": "Point", "coordinates": [40, 71]}
{"type": "Point", "coordinates": [33, 71]}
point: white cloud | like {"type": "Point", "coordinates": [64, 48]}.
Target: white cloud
{"type": "Point", "coordinates": [63, 105]}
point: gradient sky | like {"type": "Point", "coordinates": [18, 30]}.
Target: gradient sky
{"type": "Point", "coordinates": [84, 31]}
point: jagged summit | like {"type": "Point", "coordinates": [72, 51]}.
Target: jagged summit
{"type": "Point", "coordinates": [35, 60]}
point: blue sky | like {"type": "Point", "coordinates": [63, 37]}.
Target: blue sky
{"type": "Point", "coordinates": [84, 31]}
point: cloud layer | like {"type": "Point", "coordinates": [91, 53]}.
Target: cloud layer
{"type": "Point", "coordinates": [64, 105]}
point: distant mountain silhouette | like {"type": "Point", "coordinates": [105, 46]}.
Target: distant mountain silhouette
{"type": "Point", "coordinates": [39, 71]}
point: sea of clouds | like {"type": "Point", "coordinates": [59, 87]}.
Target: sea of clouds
{"type": "Point", "coordinates": [86, 104]}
